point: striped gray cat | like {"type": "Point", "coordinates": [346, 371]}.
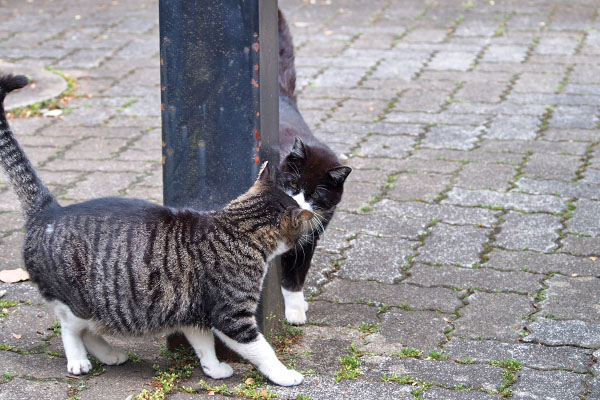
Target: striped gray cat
{"type": "Point", "coordinates": [126, 266]}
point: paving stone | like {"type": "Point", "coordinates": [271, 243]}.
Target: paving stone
{"type": "Point", "coordinates": [493, 316]}
{"type": "Point", "coordinates": [573, 117]}
{"type": "Point", "coordinates": [365, 261]}
{"type": "Point", "coordinates": [584, 246]}
{"type": "Point", "coordinates": [531, 355]}
{"type": "Point", "coordinates": [387, 146]}
{"type": "Point", "coordinates": [564, 333]}
{"type": "Point", "coordinates": [528, 231]}
{"type": "Point", "coordinates": [437, 393]}
{"type": "Point", "coordinates": [535, 82]}
{"type": "Point", "coordinates": [565, 295]}
{"type": "Point", "coordinates": [537, 146]}
{"type": "Point", "coordinates": [446, 373]}
{"type": "Point", "coordinates": [564, 189]}
{"type": "Point", "coordinates": [18, 389]}
{"type": "Point", "coordinates": [452, 137]}
{"type": "Point", "coordinates": [345, 315]}
{"type": "Point", "coordinates": [346, 389]}
{"type": "Point", "coordinates": [541, 263]}
{"type": "Point", "coordinates": [486, 176]}
{"type": "Point", "coordinates": [548, 385]}
{"type": "Point", "coordinates": [516, 201]}
{"type": "Point", "coordinates": [445, 300]}
{"type": "Point", "coordinates": [475, 155]}
{"type": "Point", "coordinates": [584, 218]}
{"type": "Point", "coordinates": [513, 128]}
{"type": "Point", "coordinates": [561, 167]}
{"type": "Point", "coordinates": [448, 60]}
{"type": "Point", "coordinates": [423, 330]}
{"type": "Point", "coordinates": [413, 186]}
{"type": "Point", "coordinates": [474, 278]}
{"type": "Point", "coordinates": [11, 251]}
{"type": "Point", "coordinates": [451, 245]}
{"type": "Point", "coordinates": [95, 186]}
{"type": "Point", "coordinates": [27, 321]}
{"type": "Point", "coordinates": [504, 53]}
{"type": "Point", "coordinates": [357, 195]}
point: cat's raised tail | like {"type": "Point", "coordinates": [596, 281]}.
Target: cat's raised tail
{"type": "Point", "coordinates": [34, 196]}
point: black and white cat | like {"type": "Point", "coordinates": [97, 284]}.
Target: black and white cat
{"type": "Point", "coordinates": [309, 171]}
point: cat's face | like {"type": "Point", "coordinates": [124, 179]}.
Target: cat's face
{"type": "Point", "coordinates": [313, 177]}
{"type": "Point", "coordinates": [292, 221]}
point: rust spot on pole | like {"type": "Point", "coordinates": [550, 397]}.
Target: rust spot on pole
{"type": "Point", "coordinates": [256, 159]}
{"type": "Point", "coordinates": [257, 133]}
{"type": "Point", "coordinates": [163, 143]}
{"type": "Point", "coordinates": [254, 83]}
{"type": "Point", "coordinates": [201, 143]}
{"type": "Point", "coordinates": [170, 152]}
{"type": "Point", "coordinates": [162, 106]}
{"type": "Point", "coordinates": [164, 160]}
{"type": "Point", "coordinates": [255, 47]}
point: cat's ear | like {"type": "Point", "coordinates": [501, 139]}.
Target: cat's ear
{"type": "Point", "coordinates": [298, 150]}
{"type": "Point", "coordinates": [339, 174]}
{"type": "Point", "coordinates": [264, 175]}
{"type": "Point", "coordinates": [300, 216]}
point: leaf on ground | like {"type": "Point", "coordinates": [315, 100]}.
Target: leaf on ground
{"type": "Point", "coordinates": [16, 336]}
{"type": "Point", "coordinates": [13, 275]}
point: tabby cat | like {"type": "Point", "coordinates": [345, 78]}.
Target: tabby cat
{"type": "Point", "coordinates": [126, 266]}
{"type": "Point", "coordinates": [309, 171]}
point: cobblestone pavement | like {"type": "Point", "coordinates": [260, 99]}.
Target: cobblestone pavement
{"type": "Point", "coordinates": [468, 235]}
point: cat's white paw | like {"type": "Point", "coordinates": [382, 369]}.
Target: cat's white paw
{"type": "Point", "coordinates": [287, 377]}
{"type": "Point", "coordinates": [112, 357]}
{"type": "Point", "coordinates": [296, 315]}
{"type": "Point", "coordinates": [219, 371]}
{"type": "Point", "coordinates": [305, 305]}
{"type": "Point", "coordinates": [78, 367]}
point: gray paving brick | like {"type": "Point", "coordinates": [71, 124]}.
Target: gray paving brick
{"type": "Point", "coordinates": [564, 189]}
{"type": "Point", "coordinates": [344, 291]}
{"type": "Point", "coordinates": [538, 146]}
{"type": "Point", "coordinates": [438, 393]}
{"type": "Point", "coordinates": [486, 176]}
{"type": "Point", "coordinates": [452, 137]}
{"type": "Point", "coordinates": [584, 220]}
{"type": "Point", "coordinates": [541, 263]}
{"type": "Point", "coordinates": [474, 278]}
{"type": "Point", "coordinates": [396, 331]}
{"type": "Point", "coordinates": [528, 232]}
{"type": "Point", "coordinates": [493, 316]}
{"type": "Point", "coordinates": [451, 245]}
{"type": "Point", "coordinates": [513, 128]}
{"type": "Point", "coordinates": [418, 186]}
{"type": "Point", "coordinates": [564, 296]}
{"type": "Point", "coordinates": [387, 146]}
{"type": "Point", "coordinates": [576, 245]}
{"type": "Point", "coordinates": [364, 260]}
{"type": "Point", "coordinates": [563, 385]}
{"type": "Point", "coordinates": [516, 201]}
{"type": "Point", "coordinates": [531, 355]}
{"type": "Point", "coordinates": [567, 332]}
{"type": "Point", "coordinates": [475, 155]}
{"type": "Point", "coordinates": [450, 60]}
{"type": "Point", "coordinates": [445, 373]}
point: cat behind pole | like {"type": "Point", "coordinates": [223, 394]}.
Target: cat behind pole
{"type": "Point", "coordinates": [131, 267]}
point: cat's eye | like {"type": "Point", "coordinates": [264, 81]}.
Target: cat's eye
{"type": "Point", "coordinates": [315, 195]}
{"type": "Point", "coordinates": [293, 184]}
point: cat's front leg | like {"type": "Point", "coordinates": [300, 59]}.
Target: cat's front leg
{"type": "Point", "coordinates": [203, 343]}
{"type": "Point", "coordinates": [72, 329]}
{"type": "Point", "coordinates": [260, 353]}
{"type": "Point", "coordinates": [294, 265]}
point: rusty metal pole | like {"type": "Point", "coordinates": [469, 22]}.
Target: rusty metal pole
{"type": "Point", "coordinates": [219, 94]}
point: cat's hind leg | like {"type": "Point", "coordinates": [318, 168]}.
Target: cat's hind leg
{"type": "Point", "coordinates": [72, 329]}
{"type": "Point", "coordinates": [104, 352]}
{"type": "Point", "coordinates": [260, 353]}
{"type": "Point", "coordinates": [203, 343]}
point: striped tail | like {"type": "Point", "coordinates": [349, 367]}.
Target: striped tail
{"type": "Point", "coordinates": [287, 70]}
{"type": "Point", "coordinates": [34, 196]}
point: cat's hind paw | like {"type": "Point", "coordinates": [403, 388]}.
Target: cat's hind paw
{"type": "Point", "coordinates": [295, 316]}
{"type": "Point", "coordinates": [287, 377]}
{"type": "Point", "coordinates": [78, 367]}
{"type": "Point", "coordinates": [113, 357]}
{"type": "Point", "coordinates": [219, 371]}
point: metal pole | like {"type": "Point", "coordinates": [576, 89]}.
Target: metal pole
{"type": "Point", "coordinates": [219, 100]}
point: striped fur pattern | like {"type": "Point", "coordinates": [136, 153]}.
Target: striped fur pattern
{"type": "Point", "coordinates": [126, 266]}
